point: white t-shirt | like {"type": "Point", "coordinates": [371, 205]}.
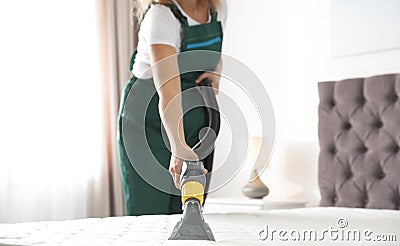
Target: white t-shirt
{"type": "Point", "coordinates": [160, 26]}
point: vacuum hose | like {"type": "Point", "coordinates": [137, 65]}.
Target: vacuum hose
{"type": "Point", "coordinates": [193, 179]}
{"type": "Point", "coordinates": [206, 143]}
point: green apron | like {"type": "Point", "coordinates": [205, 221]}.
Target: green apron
{"type": "Point", "coordinates": [140, 197]}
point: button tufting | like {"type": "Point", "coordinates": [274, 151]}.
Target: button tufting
{"type": "Point", "coordinates": [396, 149]}
{"type": "Point", "coordinates": [379, 124]}
{"type": "Point", "coordinates": [332, 103]}
{"type": "Point", "coordinates": [333, 150]}
{"type": "Point", "coordinates": [347, 126]}
{"type": "Point", "coordinates": [395, 98]}
{"type": "Point", "coordinates": [363, 149]}
{"type": "Point", "coordinates": [382, 175]}
{"type": "Point", "coordinates": [362, 100]}
{"type": "Point", "coordinates": [349, 175]}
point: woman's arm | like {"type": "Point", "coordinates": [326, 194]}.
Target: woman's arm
{"type": "Point", "coordinates": [168, 84]}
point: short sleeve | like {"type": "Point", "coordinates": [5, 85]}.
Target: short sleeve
{"type": "Point", "coordinates": [223, 13]}
{"type": "Point", "coordinates": [161, 27]}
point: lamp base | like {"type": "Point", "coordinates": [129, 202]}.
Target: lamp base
{"type": "Point", "coordinates": [255, 188]}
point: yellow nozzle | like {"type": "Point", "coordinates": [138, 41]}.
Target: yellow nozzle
{"type": "Point", "coordinates": [192, 189]}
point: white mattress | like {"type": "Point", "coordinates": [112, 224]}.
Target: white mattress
{"type": "Point", "coordinates": [228, 228]}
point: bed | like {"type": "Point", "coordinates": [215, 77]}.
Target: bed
{"type": "Point", "coordinates": [359, 180]}
{"type": "Point", "coordinates": [253, 228]}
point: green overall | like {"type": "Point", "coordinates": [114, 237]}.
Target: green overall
{"type": "Point", "coordinates": [135, 115]}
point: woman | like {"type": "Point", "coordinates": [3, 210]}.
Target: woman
{"type": "Point", "coordinates": [152, 99]}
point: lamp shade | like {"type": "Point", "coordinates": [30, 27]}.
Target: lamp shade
{"type": "Point", "coordinates": [255, 149]}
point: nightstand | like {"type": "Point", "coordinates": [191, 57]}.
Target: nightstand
{"type": "Point", "coordinates": [220, 205]}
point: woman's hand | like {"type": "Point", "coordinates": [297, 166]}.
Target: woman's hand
{"type": "Point", "coordinates": [213, 77]}
{"type": "Point", "coordinates": [175, 169]}
{"type": "Point", "coordinates": [176, 163]}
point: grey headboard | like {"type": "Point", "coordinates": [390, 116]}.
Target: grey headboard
{"type": "Point", "coordinates": [359, 137]}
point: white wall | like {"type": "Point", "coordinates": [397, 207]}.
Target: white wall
{"type": "Point", "coordinates": [287, 44]}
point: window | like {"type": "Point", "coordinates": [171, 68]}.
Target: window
{"type": "Point", "coordinates": [51, 108]}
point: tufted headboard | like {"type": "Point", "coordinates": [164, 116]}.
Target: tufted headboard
{"type": "Point", "coordinates": [359, 138]}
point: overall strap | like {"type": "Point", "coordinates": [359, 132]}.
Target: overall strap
{"type": "Point", "coordinates": [183, 19]}
{"type": "Point", "coordinates": [214, 14]}
{"type": "Point", "coordinates": [132, 61]}
{"type": "Point", "coordinates": [178, 14]}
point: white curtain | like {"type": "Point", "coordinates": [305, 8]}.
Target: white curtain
{"type": "Point", "coordinates": [118, 39]}
{"type": "Point", "coordinates": [52, 154]}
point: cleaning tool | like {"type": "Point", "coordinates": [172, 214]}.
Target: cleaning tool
{"type": "Point", "coordinates": [193, 179]}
